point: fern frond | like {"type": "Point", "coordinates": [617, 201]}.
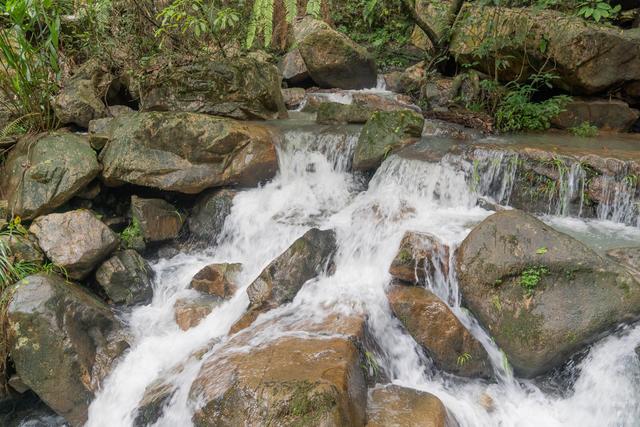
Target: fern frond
{"type": "Point", "coordinates": [291, 6]}
{"type": "Point", "coordinates": [313, 8]}
{"type": "Point", "coordinates": [16, 126]}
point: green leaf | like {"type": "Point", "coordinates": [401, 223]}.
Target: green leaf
{"type": "Point", "coordinates": [542, 251]}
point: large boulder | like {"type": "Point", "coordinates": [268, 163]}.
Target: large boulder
{"type": "Point", "coordinates": [331, 58]}
{"type": "Point", "coordinates": [588, 57]}
{"type": "Point", "coordinates": [187, 152]}
{"type": "Point", "coordinates": [541, 294]}
{"type": "Point", "coordinates": [281, 280]}
{"type": "Point", "coordinates": [606, 114]}
{"type": "Point", "coordinates": [158, 219]}
{"type": "Point", "coordinates": [317, 380]}
{"type": "Point", "coordinates": [43, 172]}
{"type": "Point", "coordinates": [240, 88]}
{"type": "Point", "coordinates": [126, 278]}
{"type": "Point", "coordinates": [384, 133]}
{"type": "Point", "coordinates": [393, 405]}
{"type": "Point", "coordinates": [294, 70]}
{"type": "Point", "coordinates": [76, 240]}
{"type": "Point", "coordinates": [337, 113]}
{"type": "Point", "coordinates": [63, 342]}
{"type": "Point", "coordinates": [434, 326]}
{"type": "Point", "coordinates": [209, 214]}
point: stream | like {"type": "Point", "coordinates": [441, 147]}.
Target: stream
{"type": "Point", "coordinates": [315, 188]}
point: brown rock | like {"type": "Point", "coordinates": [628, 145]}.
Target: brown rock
{"type": "Point", "coordinates": [399, 406]}
{"type": "Point", "coordinates": [606, 114]}
{"type": "Point", "coordinates": [287, 381]}
{"type": "Point", "coordinates": [421, 255]}
{"type": "Point", "coordinates": [189, 313]}
{"type": "Point", "coordinates": [158, 219]}
{"type": "Point", "coordinates": [218, 280]}
{"type": "Point", "coordinates": [439, 332]}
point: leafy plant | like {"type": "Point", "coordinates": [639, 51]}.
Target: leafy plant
{"type": "Point", "coordinates": [530, 278]}
{"type": "Point", "coordinates": [29, 68]}
{"type": "Point", "coordinates": [463, 359]}
{"type": "Point", "coordinates": [132, 234]}
{"type": "Point", "coordinates": [518, 112]}
{"type": "Point", "coordinates": [585, 129]}
{"type": "Point", "coordinates": [598, 10]}
{"type": "Point", "coordinates": [541, 251]}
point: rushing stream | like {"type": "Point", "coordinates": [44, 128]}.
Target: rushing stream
{"type": "Point", "coordinates": [315, 188]}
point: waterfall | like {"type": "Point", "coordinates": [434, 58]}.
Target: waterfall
{"type": "Point", "coordinates": [315, 188]}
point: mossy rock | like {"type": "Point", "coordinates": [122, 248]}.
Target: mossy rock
{"type": "Point", "coordinates": [384, 133]}
{"type": "Point", "coordinates": [575, 297]}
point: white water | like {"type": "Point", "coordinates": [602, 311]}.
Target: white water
{"type": "Point", "coordinates": [314, 188]}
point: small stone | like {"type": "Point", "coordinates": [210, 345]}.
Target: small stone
{"type": "Point", "coordinates": [158, 219]}
{"type": "Point", "coordinates": [189, 313]}
{"type": "Point", "coordinates": [217, 280]}
{"type": "Point", "coordinates": [126, 278]}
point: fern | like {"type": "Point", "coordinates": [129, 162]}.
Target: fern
{"type": "Point", "coordinates": [291, 6]}
{"type": "Point", "coordinates": [313, 8]}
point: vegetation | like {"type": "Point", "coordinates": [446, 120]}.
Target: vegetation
{"type": "Point", "coordinates": [132, 235]}
{"type": "Point", "coordinates": [463, 359]}
{"type": "Point", "coordinates": [531, 277]}
{"type": "Point", "coordinates": [598, 10]}
{"type": "Point", "coordinates": [585, 130]}
{"type": "Point", "coordinates": [29, 58]}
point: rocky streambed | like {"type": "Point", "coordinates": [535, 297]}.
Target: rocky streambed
{"type": "Point", "coordinates": [358, 263]}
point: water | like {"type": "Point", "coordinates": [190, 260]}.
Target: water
{"type": "Point", "coordinates": [315, 188]}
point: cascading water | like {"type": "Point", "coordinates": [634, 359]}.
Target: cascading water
{"type": "Point", "coordinates": [314, 188]}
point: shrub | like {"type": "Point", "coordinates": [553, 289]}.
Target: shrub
{"type": "Point", "coordinates": [585, 129]}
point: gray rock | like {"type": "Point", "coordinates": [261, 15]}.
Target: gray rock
{"type": "Point", "coordinates": [332, 59]}
{"type": "Point", "coordinates": [41, 173]}
{"type": "Point", "coordinates": [541, 294]}
{"type": "Point", "coordinates": [76, 241]}
{"type": "Point", "coordinates": [606, 114]}
{"type": "Point", "coordinates": [63, 342]}
{"type": "Point", "coordinates": [240, 88]}
{"type": "Point", "coordinates": [384, 133]}
{"type": "Point", "coordinates": [187, 152]}
{"type": "Point", "coordinates": [126, 278]}
{"type": "Point", "coordinates": [209, 213]}
{"type": "Point", "coordinates": [293, 69]}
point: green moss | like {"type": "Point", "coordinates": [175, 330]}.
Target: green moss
{"type": "Point", "coordinates": [306, 405]}
{"type": "Point", "coordinates": [523, 327]}
{"type": "Point", "coordinates": [531, 277]}
{"type": "Point", "coordinates": [405, 256]}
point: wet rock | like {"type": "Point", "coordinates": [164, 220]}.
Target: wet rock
{"type": "Point", "coordinates": [434, 326]}
{"type": "Point", "coordinates": [63, 342]}
{"type": "Point", "coordinates": [281, 280]}
{"type": "Point", "coordinates": [384, 133]}
{"type": "Point", "coordinates": [336, 113]}
{"type": "Point", "coordinates": [588, 58]}
{"type": "Point", "coordinates": [384, 102]}
{"type": "Point", "coordinates": [331, 58]}
{"type": "Point", "coordinates": [240, 88]}
{"type": "Point", "coordinates": [209, 213]}
{"type": "Point", "coordinates": [80, 99]}
{"type": "Point", "coordinates": [156, 397]}
{"type": "Point", "coordinates": [294, 70]}
{"type": "Point", "coordinates": [442, 129]}
{"type": "Point", "coordinates": [158, 220]}
{"type": "Point", "coordinates": [76, 241]}
{"type": "Point", "coordinates": [187, 152]}
{"type": "Point", "coordinates": [43, 172]}
{"type": "Point", "coordinates": [293, 97]}
{"type": "Point", "coordinates": [23, 248]}
{"type": "Point", "coordinates": [407, 81]}
{"type": "Point", "coordinates": [189, 313]}
{"type": "Point", "coordinates": [393, 405]}
{"type": "Point", "coordinates": [420, 255]}
{"type": "Point", "coordinates": [541, 294]}
{"type": "Point", "coordinates": [629, 258]}
{"type": "Point", "coordinates": [286, 381]}
{"type": "Point", "coordinates": [219, 280]}
{"type": "Point", "coordinates": [606, 114]}
{"type": "Point", "coordinates": [126, 278]}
